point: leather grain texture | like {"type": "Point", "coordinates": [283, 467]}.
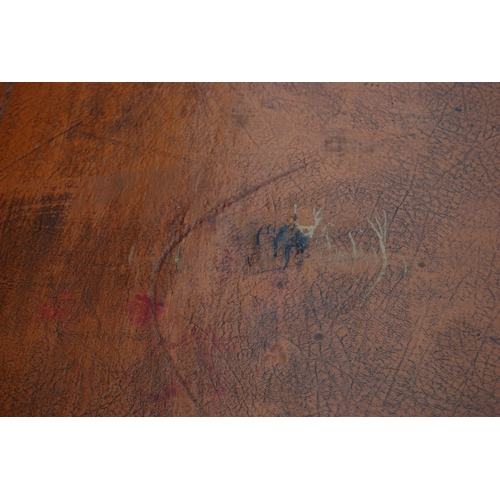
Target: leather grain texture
{"type": "Point", "coordinates": [249, 249]}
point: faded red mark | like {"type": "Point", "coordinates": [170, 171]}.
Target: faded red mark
{"type": "Point", "coordinates": [166, 394]}
{"type": "Point", "coordinates": [229, 259]}
{"type": "Point", "coordinates": [58, 307]}
{"type": "Point", "coordinates": [48, 311]}
{"type": "Point", "coordinates": [140, 310]}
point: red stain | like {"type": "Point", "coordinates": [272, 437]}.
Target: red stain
{"type": "Point", "coordinates": [47, 311]}
{"type": "Point", "coordinates": [166, 394]}
{"type": "Point", "coordinates": [57, 307]}
{"type": "Point", "coordinates": [140, 310]}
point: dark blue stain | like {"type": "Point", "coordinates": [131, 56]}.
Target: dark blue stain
{"type": "Point", "coordinates": [280, 238]}
{"type": "Point", "coordinates": [458, 110]}
{"type": "Point", "coordinates": [290, 238]}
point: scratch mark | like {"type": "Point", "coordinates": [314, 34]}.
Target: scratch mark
{"type": "Point", "coordinates": [161, 342]}
{"type": "Point", "coordinates": [381, 233]}
{"type": "Point", "coordinates": [65, 131]}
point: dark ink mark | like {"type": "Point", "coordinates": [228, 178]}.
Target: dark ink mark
{"type": "Point", "coordinates": [421, 264]}
{"type": "Point", "coordinates": [319, 336]}
{"type": "Point", "coordinates": [290, 238]}
{"type": "Point", "coordinates": [280, 238]}
{"type": "Point", "coordinates": [458, 110]}
{"type": "Point", "coordinates": [258, 236]}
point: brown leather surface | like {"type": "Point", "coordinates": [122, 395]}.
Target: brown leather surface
{"type": "Point", "coordinates": [250, 249]}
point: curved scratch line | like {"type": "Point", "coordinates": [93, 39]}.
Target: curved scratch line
{"type": "Point", "coordinates": [161, 261]}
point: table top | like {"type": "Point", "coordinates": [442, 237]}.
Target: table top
{"type": "Point", "coordinates": [249, 249]}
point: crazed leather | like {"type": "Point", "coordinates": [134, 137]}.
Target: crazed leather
{"type": "Point", "coordinates": [249, 249]}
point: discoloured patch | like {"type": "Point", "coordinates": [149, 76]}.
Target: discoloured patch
{"type": "Point", "coordinates": [277, 355]}
{"type": "Point", "coordinates": [290, 238]}
{"type": "Point", "coordinates": [308, 230]}
{"type": "Point", "coordinates": [140, 310]}
{"type": "Point", "coordinates": [60, 307]}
